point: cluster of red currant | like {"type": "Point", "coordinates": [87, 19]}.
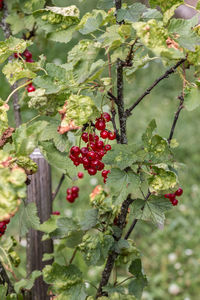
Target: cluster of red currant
{"type": "Point", "coordinates": [172, 197]}
{"type": "Point", "coordinates": [1, 4]}
{"type": "Point", "coordinates": [28, 58]}
{"type": "Point", "coordinates": [91, 155]}
{"type": "Point", "coordinates": [72, 194]}
{"type": "Point", "coordinates": [3, 226]}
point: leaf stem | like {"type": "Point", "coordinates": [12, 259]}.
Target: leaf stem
{"type": "Point", "coordinates": [15, 90]}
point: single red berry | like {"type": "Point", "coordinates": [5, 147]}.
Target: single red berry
{"type": "Point", "coordinates": [104, 180]}
{"type": "Point", "coordinates": [80, 175]}
{"type": "Point", "coordinates": [72, 157]}
{"type": "Point", "coordinates": [91, 145]}
{"type": "Point", "coordinates": [31, 89]}
{"type": "Point", "coordinates": [101, 166]}
{"type": "Point", "coordinates": [69, 191]}
{"type": "Point", "coordinates": [7, 221]}
{"type": "Point", "coordinates": [84, 137]}
{"type": "Point", "coordinates": [100, 125]}
{"type": "Point", "coordinates": [91, 137]}
{"type": "Point", "coordinates": [92, 171]}
{"type": "Point", "coordinates": [174, 202]}
{"type": "Point", "coordinates": [104, 173]}
{"type": "Point", "coordinates": [106, 116]}
{"type": "Point", "coordinates": [100, 145]}
{"type": "Point", "coordinates": [101, 153]}
{"type": "Point", "coordinates": [75, 150]}
{"type": "Point", "coordinates": [75, 189]}
{"type": "Point", "coordinates": [167, 196]}
{"type": "Point", "coordinates": [172, 197]}
{"type": "Point", "coordinates": [95, 164]}
{"type": "Point", "coordinates": [104, 134]}
{"type": "Point", "coordinates": [86, 162]}
{"type": "Point", "coordinates": [107, 147]}
{"type": "Point", "coordinates": [27, 54]}
{"type": "Point", "coordinates": [111, 135]}
{"type": "Point", "coordinates": [96, 138]}
{"type": "Point", "coordinates": [56, 213]}
{"type": "Point", "coordinates": [75, 195]}
{"type": "Point", "coordinates": [16, 55]}
{"type": "Point", "coordinates": [179, 192]}
{"type": "Point", "coordinates": [84, 151]}
{"type": "Point", "coordinates": [76, 163]}
{"type": "Point", "coordinates": [91, 155]}
{"type": "Point", "coordinates": [70, 198]}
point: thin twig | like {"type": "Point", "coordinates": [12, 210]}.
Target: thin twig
{"type": "Point", "coordinates": [136, 220]}
{"type": "Point", "coordinates": [121, 222]}
{"type": "Point", "coordinates": [180, 107]}
{"type": "Point", "coordinates": [5, 279]}
{"type": "Point", "coordinates": [73, 256]}
{"type": "Point", "coordinates": [165, 75]}
{"type": "Point", "coordinates": [58, 187]}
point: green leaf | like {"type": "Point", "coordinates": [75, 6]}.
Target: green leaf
{"type": "Point", "coordinates": [27, 283]}
{"type": "Point", "coordinates": [136, 267]}
{"type": "Point", "coordinates": [16, 70]}
{"type": "Point", "coordinates": [57, 159]}
{"type": "Point", "coordinates": [74, 238]}
{"type": "Point", "coordinates": [65, 226]}
{"type": "Point", "coordinates": [151, 210]}
{"type": "Point", "coordinates": [28, 218]}
{"type": "Point", "coordinates": [191, 99]}
{"type": "Point", "coordinates": [65, 280]}
{"type": "Point", "coordinates": [26, 137]}
{"type": "Point", "coordinates": [62, 36]}
{"type": "Point", "coordinates": [90, 219]}
{"type": "Point", "coordinates": [136, 286]}
{"type": "Point", "coordinates": [12, 45]}
{"type": "Point", "coordinates": [3, 291]}
{"type": "Point", "coordinates": [121, 156]}
{"type": "Point", "coordinates": [165, 5]}
{"type": "Point", "coordinates": [3, 116]}
{"type": "Point", "coordinates": [28, 6]}
{"type": "Point", "coordinates": [105, 4]}
{"type": "Point", "coordinates": [49, 225]}
{"type": "Point", "coordinates": [187, 38]}
{"type": "Point", "coordinates": [56, 72]}
{"type": "Point", "coordinates": [92, 24]}
{"type": "Point", "coordinates": [132, 13]}
{"type": "Point", "coordinates": [162, 180]}
{"type": "Point", "coordinates": [47, 83]}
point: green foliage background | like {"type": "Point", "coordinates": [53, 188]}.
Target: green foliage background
{"type": "Point", "coordinates": [170, 255]}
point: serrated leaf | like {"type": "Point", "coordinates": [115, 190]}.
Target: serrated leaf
{"type": "Point", "coordinates": [162, 180]}
{"type": "Point", "coordinates": [74, 238]}
{"type": "Point", "coordinates": [151, 210]}
{"type": "Point", "coordinates": [64, 227]}
{"type": "Point", "coordinates": [12, 45]}
{"type": "Point", "coordinates": [30, 6]}
{"type": "Point", "coordinates": [131, 13]}
{"type": "Point", "coordinates": [28, 218]}
{"type": "Point", "coordinates": [27, 283]}
{"type": "Point", "coordinates": [16, 70]}
{"type": "Point", "coordinates": [165, 5]}
{"type": "Point", "coordinates": [56, 72]}
{"type": "Point", "coordinates": [57, 159]}
{"type": "Point", "coordinates": [65, 280]}
{"type": "Point", "coordinates": [47, 83]}
{"type": "Point", "coordinates": [191, 99]}
{"type": "Point", "coordinates": [121, 156]}
{"type": "Point", "coordinates": [91, 24]}
{"type": "Point", "coordinates": [62, 36]}
{"type": "Point", "coordinates": [26, 137]}
{"type": "Point", "coordinates": [136, 286]}
{"type": "Point", "coordinates": [90, 219]}
{"type": "Point", "coordinates": [136, 267]}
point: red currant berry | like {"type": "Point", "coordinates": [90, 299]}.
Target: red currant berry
{"type": "Point", "coordinates": [70, 198]}
{"type": "Point", "coordinates": [91, 155]}
{"type": "Point", "coordinates": [31, 89]}
{"type": "Point", "coordinates": [179, 192]}
{"type": "Point", "coordinates": [95, 164]}
{"type": "Point", "coordinates": [76, 163]}
{"type": "Point", "coordinates": [105, 173]}
{"type": "Point", "coordinates": [104, 180]}
{"type": "Point", "coordinates": [86, 162]}
{"type": "Point", "coordinates": [172, 197]}
{"type": "Point", "coordinates": [75, 189]}
{"type": "Point", "coordinates": [72, 157]}
{"type": "Point", "coordinates": [92, 171]}
{"type": "Point", "coordinates": [75, 151]}
{"type": "Point", "coordinates": [16, 55]}
{"type": "Point", "coordinates": [75, 195]}
{"type": "Point", "coordinates": [84, 137]}
{"type": "Point", "coordinates": [96, 138]}
{"type": "Point", "coordinates": [84, 151]}
{"type": "Point", "coordinates": [174, 202]}
{"type": "Point", "coordinates": [91, 137]}
{"type": "Point", "coordinates": [80, 175]}
{"type": "Point", "coordinates": [29, 60]}
{"type": "Point", "coordinates": [7, 221]}
{"type": "Point", "coordinates": [91, 145]}
{"type": "Point", "coordinates": [107, 147]}
{"type": "Point", "coordinates": [101, 166]}
{"type": "Point", "coordinates": [56, 213]}
{"type": "Point", "coordinates": [100, 145]}
{"type": "Point", "coordinates": [101, 153]}
{"type": "Point", "coordinates": [69, 191]}
{"type": "Point", "coordinates": [100, 125]}
{"type": "Point", "coordinates": [104, 134]}
{"type": "Point", "coordinates": [106, 116]}
{"type": "Point", "coordinates": [111, 135]}
{"type": "Point", "coordinates": [27, 54]}
{"type": "Point", "coordinates": [167, 196]}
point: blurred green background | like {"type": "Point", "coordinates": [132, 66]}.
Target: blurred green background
{"type": "Point", "coordinates": [171, 256]}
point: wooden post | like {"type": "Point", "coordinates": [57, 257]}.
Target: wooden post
{"type": "Point", "coordinates": [40, 192]}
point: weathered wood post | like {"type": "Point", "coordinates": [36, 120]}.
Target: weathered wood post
{"type": "Point", "coordinates": [40, 192]}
